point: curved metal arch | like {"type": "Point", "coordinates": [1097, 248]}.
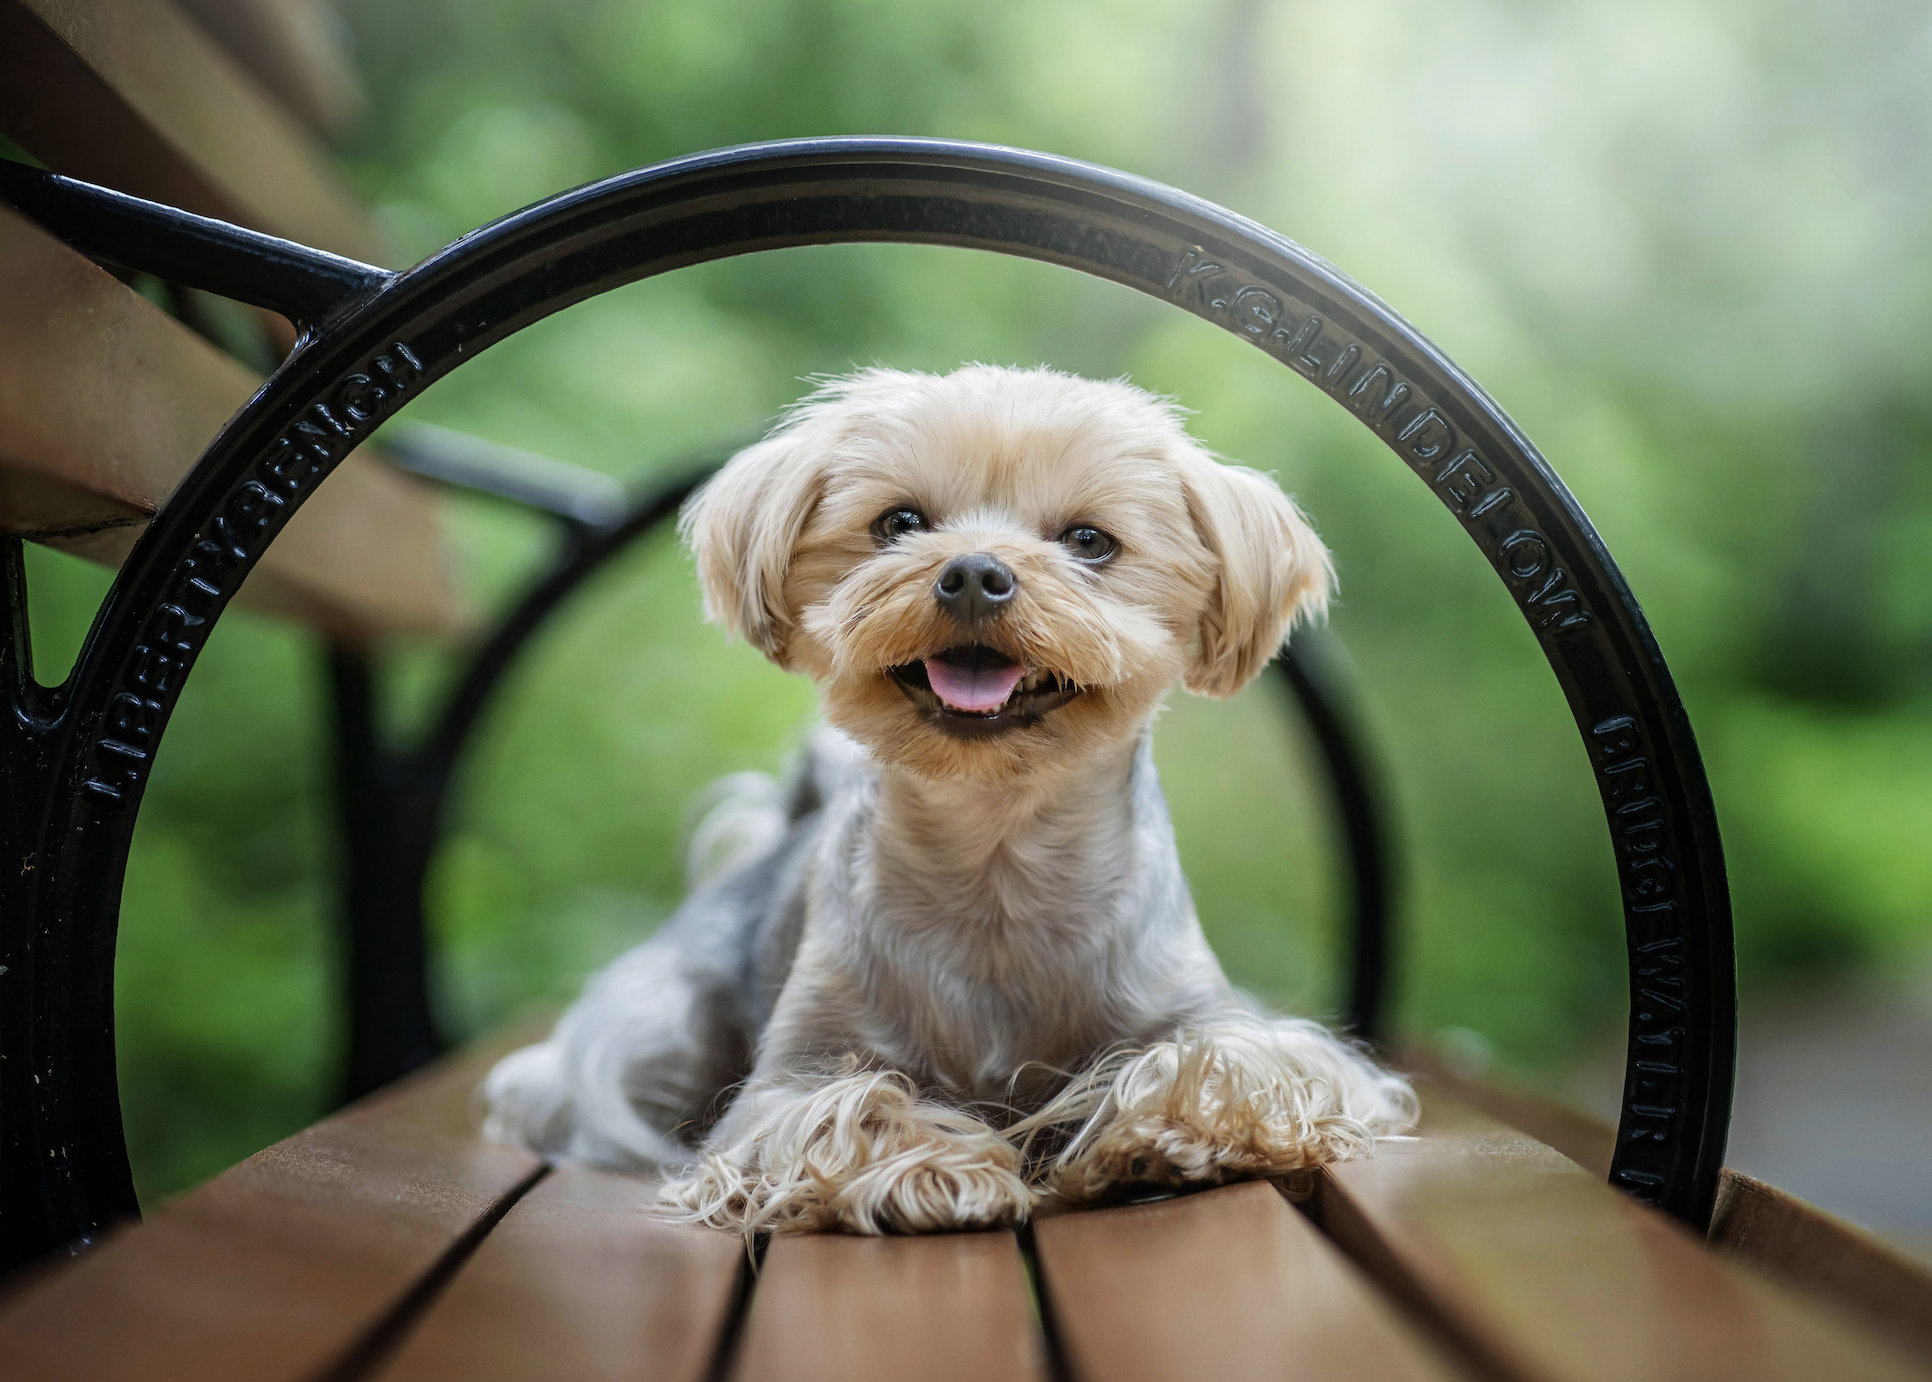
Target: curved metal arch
{"type": "Point", "coordinates": [391, 335]}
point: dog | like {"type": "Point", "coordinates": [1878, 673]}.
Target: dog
{"type": "Point", "coordinates": [952, 969]}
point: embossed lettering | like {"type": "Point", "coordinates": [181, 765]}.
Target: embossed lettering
{"type": "Point", "coordinates": [1629, 777]}
{"type": "Point", "coordinates": [402, 369]}
{"type": "Point", "coordinates": [1525, 554]}
{"type": "Point", "coordinates": [249, 513]}
{"type": "Point", "coordinates": [1256, 311]}
{"type": "Point", "coordinates": [1617, 736]}
{"type": "Point", "coordinates": [155, 669]}
{"type": "Point", "coordinates": [330, 420]}
{"type": "Point", "coordinates": [358, 397]}
{"type": "Point", "coordinates": [1299, 346]}
{"type": "Point", "coordinates": [1560, 606]}
{"type": "Point", "coordinates": [294, 463]}
{"type": "Point", "coordinates": [197, 590]}
{"type": "Point", "coordinates": [1362, 396]}
{"type": "Point", "coordinates": [1191, 276]}
{"type": "Point", "coordinates": [1493, 501]}
{"type": "Point", "coordinates": [1464, 478]}
{"type": "Point", "coordinates": [173, 624]}
{"type": "Point", "coordinates": [1427, 435]}
{"type": "Point", "coordinates": [131, 717]}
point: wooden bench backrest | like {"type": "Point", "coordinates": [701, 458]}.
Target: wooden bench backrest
{"type": "Point", "coordinates": [106, 401]}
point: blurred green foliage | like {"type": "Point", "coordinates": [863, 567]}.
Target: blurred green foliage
{"type": "Point", "coordinates": [1683, 243]}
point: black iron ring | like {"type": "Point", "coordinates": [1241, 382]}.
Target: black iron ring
{"type": "Point", "coordinates": [393, 334]}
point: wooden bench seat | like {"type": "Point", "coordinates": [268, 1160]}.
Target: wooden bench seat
{"type": "Point", "coordinates": [1226, 1283]}
{"type": "Point", "coordinates": [579, 1280]}
{"type": "Point", "coordinates": [391, 1242]}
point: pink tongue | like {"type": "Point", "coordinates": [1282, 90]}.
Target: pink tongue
{"type": "Point", "coordinates": [965, 689]}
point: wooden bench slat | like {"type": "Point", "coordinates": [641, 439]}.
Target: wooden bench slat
{"type": "Point", "coordinates": [1583, 1138]}
{"type": "Point", "coordinates": [292, 48]}
{"type": "Point", "coordinates": [276, 1268]}
{"type": "Point", "coordinates": [1225, 1283]}
{"type": "Point", "coordinates": [580, 1281]}
{"type": "Point", "coordinates": [830, 1308]}
{"type": "Point", "coordinates": [1549, 1274]}
{"type": "Point", "coordinates": [1814, 1253]}
{"type": "Point", "coordinates": [134, 95]}
{"type": "Point", "coordinates": [1826, 1258]}
{"type": "Point", "coordinates": [105, 403]}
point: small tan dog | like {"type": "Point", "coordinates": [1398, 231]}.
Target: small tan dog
{"type": "Point", "coordinates": [955, 968]}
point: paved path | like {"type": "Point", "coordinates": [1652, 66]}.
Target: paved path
{"type": "Point", "coordinates": [1834, 1100]}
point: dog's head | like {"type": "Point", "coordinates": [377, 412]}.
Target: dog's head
{"type": "Point", "coordinates": [993, 571]}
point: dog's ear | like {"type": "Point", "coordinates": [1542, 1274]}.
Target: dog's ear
{"type": "Point", "coordinates": [1273, 571]}
{"type": "Point", "coordinates": [742, 526]}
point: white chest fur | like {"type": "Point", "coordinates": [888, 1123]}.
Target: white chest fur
{"type": "Point", "coordinates": [966, 931]}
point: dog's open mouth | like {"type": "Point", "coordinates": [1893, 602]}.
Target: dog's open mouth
{"type": "Point", "coordinates": [973, 690]}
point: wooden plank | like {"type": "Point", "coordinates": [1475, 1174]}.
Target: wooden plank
{"type": "Point", "coordinates": [947, 1308]}
{"type": "Point", "coordinates": [1582, 1137]}
{"type": "Point", "coordinates": [1546, 1273]}
{"type": "Point", "coordinates": [582, 1281]}
{"type": "Point", "coordinates": [105, 403]}
{"type": "Point", "coordinates": [276, 1269]}
{"type": "Point", "coordinates": [1808, 1250]}
{"type": "Point", "coordinates": [1226, 1283]}
{"type": "Point", "coordinates": [295, 48]}
{"type": "Point", "coordinates": [134, 95]}
{"type": "Point", "coordinates": [1827, 1259]}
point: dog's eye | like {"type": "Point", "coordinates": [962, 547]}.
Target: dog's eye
{"type": "Point", "coordinates": [1089, 544]}
{"type": "Point", "coordinates": [896, 523]}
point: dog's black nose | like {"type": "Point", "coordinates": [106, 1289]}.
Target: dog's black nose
{"type": "Point", "coordinates": [974, 587]}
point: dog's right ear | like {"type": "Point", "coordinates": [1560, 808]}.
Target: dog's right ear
{"type": "Point", "coordinates": [742, 526]}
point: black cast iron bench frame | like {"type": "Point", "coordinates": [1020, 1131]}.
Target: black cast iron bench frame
{"type": "Point", "coordinates": [76, 757]}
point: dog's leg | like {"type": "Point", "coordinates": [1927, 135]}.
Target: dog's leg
{"type": "Point", "coordinates": [857, 1151]}
{"type": "Point", "coordinates": [1224, 1099]}
{"type": "Point", "coordinates": [629, 1070]}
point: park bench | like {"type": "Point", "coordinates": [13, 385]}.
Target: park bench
{"type": "Point", "coordinates": [1510, 1239]}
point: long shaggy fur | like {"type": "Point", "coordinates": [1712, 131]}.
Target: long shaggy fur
{"type": "Point", "coordinates": [1238, 1096]}
{"type": "Point", "coordinates": [939, 975]}
{"type": "Point", "coordinates": [858, 1150]}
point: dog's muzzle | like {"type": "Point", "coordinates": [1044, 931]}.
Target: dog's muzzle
{"type": "Point", "coordinates": [973, 690]}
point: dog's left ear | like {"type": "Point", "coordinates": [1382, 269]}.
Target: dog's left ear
{"type": "Point", "coordinates": [742, 527]}
{"type": "Point", "coordinates": [1273, 571]}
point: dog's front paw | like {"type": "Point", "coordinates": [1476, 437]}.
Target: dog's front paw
{"type": "Point", "coordinates": [858, 1154]}
{"type": "Point", "coordinates": [1234, 1099]}
{"type": "Point", "coordinates": [1161, 1150]}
